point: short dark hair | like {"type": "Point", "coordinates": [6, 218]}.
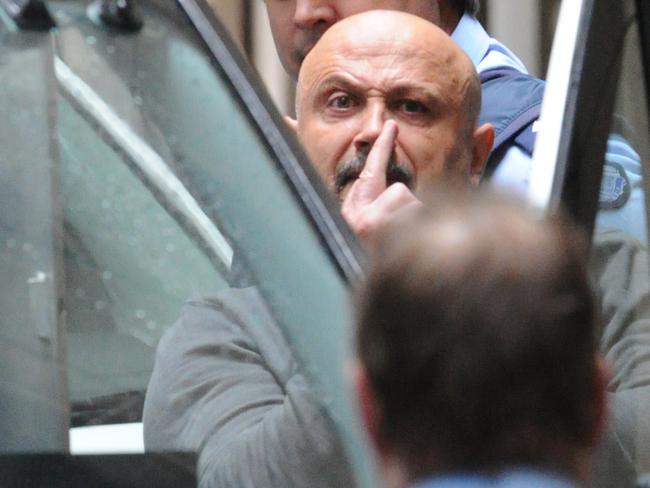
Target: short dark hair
{"type": "Point", "coordinates": [466, 6]}
{"type": "Point", "coordinates": [477, 330]}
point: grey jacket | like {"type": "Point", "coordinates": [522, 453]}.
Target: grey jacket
{"type": "Point", "coordinates": [620, 266]}
{"type": "Point", "coordinates": [226, 384]}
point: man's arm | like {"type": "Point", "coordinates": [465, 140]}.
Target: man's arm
{"type": "Point", "coordinates": [225, 384]}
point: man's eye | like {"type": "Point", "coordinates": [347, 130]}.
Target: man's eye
{"type": "Point", "coordinates": [341, 102]}
{"type": "Point", "coordinates": [412, 107]}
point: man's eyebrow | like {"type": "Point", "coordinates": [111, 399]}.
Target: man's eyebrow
{"type": "Point", "coordinates": [335, 81]}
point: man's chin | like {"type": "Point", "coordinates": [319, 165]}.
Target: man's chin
{"type": "Point", "coordinates": [342, 192]}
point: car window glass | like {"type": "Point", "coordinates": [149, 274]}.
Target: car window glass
{"type": "Point", "coordinates": [123, 252]}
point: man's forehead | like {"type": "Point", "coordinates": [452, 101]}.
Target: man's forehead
{"type": "Point", "coordinates": [348, 37]}
{"type": "Point", "coordinates": [382, 75]}
{"type": "Point", "coordinates": [377, 64]}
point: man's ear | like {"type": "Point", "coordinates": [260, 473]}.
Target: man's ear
{"type": "Point", "coordinates": [292, 123]}
{"type": "Point", "coordinates": [482, 141]}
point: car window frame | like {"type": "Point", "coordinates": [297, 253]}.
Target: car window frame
{"type": "Point", "coordinates": [577, 110]}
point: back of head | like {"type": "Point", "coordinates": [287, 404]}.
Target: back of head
{"type": "Point", "coordinates": [476, 333]}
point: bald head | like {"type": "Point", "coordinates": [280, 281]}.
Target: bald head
{"type": "Point", "coordinates": [375, 36]}
{"type": "Point", "coordinates": [381, 65]}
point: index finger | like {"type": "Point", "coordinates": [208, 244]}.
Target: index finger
{"type": "Point", "coordinates": [372, 180]}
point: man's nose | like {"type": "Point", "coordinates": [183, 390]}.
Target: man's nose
{"type": "Point", "coordinates": [310, 13]}
{"type": "Point", "coordinates": [371, 124]}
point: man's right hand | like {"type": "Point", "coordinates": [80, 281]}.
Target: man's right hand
{"type": "Point", "coordinates": [370, 203]}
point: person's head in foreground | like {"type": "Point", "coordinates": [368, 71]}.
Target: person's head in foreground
{"type": "Point", "coordinates": [476, 346]}
{"type": "Point", "coordinates": [386, 106]}
{"type": "Point", "coordinates": [298, 24]}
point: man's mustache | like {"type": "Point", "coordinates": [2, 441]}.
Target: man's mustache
{"type": "Point", "coordinates": [350, 171]}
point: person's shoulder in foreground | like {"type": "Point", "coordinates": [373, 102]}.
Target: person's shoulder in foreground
{"type": "Point", "coordinates": [477, 353]}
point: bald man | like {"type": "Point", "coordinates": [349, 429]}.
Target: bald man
{"type": "Point", "coordinates": [386, 106]}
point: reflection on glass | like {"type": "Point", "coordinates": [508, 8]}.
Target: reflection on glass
{"type": "Point", "coordinates": [122, 255]}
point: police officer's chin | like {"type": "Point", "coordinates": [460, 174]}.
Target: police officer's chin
{"type": "Point", "coordinates": [304, 45]}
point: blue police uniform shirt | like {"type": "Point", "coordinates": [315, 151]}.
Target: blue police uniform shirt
{"type": "Point", "coordinates": [516, 478]}
{"type": "Point", "coordinates": [487, 54]}
{"type": "Point", "coordinates": [622, 202]}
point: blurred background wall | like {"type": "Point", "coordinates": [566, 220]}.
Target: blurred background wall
{"type": "Point", "coordinates": [525, 26]}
